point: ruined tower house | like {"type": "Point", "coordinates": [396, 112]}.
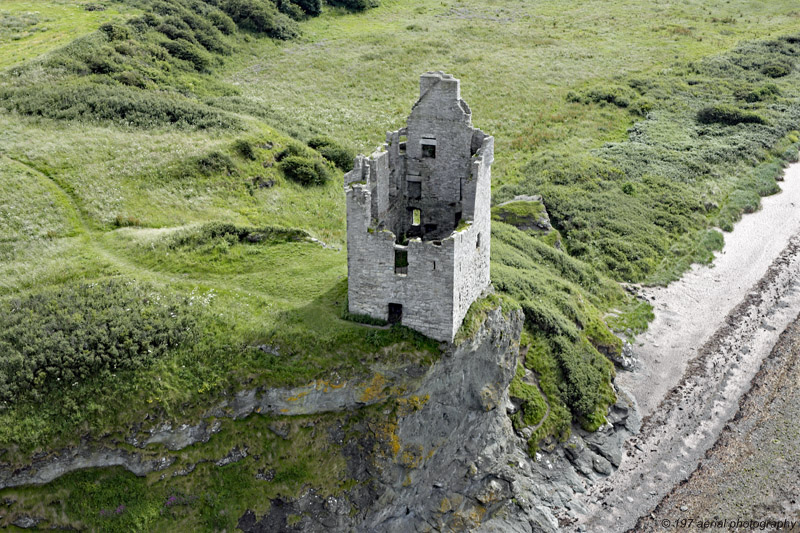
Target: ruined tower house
{"type": "Point", "coordinates": [418, 216]}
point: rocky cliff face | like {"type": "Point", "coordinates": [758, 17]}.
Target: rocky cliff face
{"type": "Point", "coordinates": [427, 449]}
{"type": "Point", "coordinates": [448, 458]}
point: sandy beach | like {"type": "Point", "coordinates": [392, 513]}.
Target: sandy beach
{"type": "Point", "coordinates": [712, 331]}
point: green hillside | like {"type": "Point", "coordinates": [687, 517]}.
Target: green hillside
{"type": "Point", "coordinates": [172, 227]}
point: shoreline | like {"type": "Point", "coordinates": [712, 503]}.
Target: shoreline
{"type": "Point", "coordinates": [713, 328]}
{"type": "Point", "coordinates": [751, 472]}
{"type": "Point", "coordinates": [689, 311]}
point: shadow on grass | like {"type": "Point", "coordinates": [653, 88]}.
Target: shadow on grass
{"type": "Point", "coordinates": [316, 340]}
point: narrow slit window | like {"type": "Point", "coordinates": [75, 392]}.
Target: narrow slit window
{"type": "Point", "coordinates": [416, 217]}
{"type": "Point", "coordinates": [478, 241]}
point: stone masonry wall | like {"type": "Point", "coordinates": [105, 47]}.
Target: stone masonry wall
{"type": "Point", "coordinates": [447, 269]}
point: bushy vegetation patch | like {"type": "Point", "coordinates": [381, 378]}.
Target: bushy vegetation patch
{"type": "Point", "coordinates": [334, 152]}
{"type": "Point", "coordinates": [121, 104]}
{"type": "Point", "coordinates": [710, 147]}
{"type": "Point", "coordinates": [532, 405]}
{"type": "Point", "coordinates": [15, 26]}
{"type": "Point", "coordinates": [214, 162]}
{"type": "Point", "coordinates": [261, 16]}
{"type": "Point", "coordinates": [214, 232]}
{"type": "Point", "coordinates": [304, 170]}
{"type": "Point", "coordinates": [354, 5]}
{"type": "Point", "coordinates": [563, 300]}
{"type": "Point", "coordinates": [149, 70]}
{"type": "Point", "coordinates": [728, 115]}
{"type": "Point", "coordinates": [60, 337]}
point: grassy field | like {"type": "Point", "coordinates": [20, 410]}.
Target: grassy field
{"type": "Point", "coordinates": [644, 126]}
{"type": "Point", "coordinates": [29, 29]}
{"type": "Point", "coordinates": [355, 76]}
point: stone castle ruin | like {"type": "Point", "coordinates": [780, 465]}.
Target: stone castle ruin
{"type": "Point", "coordinates": [418, 216]}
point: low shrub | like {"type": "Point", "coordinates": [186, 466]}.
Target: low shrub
{"type": "Point", "coordinates": [245, 149]}
{"type": "Point", "coordinates": [185, 50]}
{"type": "Point", "coordinates": [121, 104]}
{"type": "Point", "coordinates": [131, 79]}
{"type": "Point", "coordinates": [354, 5]}
{"type": "Point", "coordinates": [728, 115]}
{"type": "Point", "coordinates": [334, 152]}
{"type": "Point", "coordinates": [58, 337]}
{"type": "Point", "coordinates": [607, 94]}
{"type": "Point", "coordinates": [115, 31]}
{"type": "Point", "coordinates": [776, 70]}
{"type": "Point", "coordinates": [310, 7]}
{"type": "Point", "coordinates": [214, 163]}
{"type": "Point", "coordinates": [291, 10]}
{"type": "Point", "coordinates": [759, 94]}
{"type": "Point", "coordinates": [293, 149]}
{"type": "Point", "coordinates": [583, 373]}
{"type": "Point", "coordinates": [304, 170]}
{"type": "Point", "coordinates": [215, 231]}
{"type": "Point", "coordinates": [261, 17]}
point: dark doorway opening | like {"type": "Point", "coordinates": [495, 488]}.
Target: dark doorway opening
{"type": "Point", "coordinates": [395, 313]}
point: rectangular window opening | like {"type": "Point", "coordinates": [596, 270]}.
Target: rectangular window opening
{"type": "Point", "coordinates": [401, 262]}
{"type": "Point", "coordinates": [428, 145]}
{"type": "Point", "coordinates": [416, 217]}
{"type": "Point", "coordinates": [414, 190]}
{"type": "Point", "coordinates": [478, 241]}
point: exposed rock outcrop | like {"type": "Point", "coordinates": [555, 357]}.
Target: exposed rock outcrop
{"type": "Point", "coordinates": [450, 460]}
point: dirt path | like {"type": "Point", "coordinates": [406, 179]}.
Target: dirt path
{"type": "Point", "coordinates": [711, 333]}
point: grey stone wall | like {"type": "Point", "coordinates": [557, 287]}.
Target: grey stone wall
{"type": "Point", "coordinates": [451, 183]}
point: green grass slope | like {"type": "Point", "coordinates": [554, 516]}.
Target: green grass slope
{"type": "Point", "coordinates": [165, 157]}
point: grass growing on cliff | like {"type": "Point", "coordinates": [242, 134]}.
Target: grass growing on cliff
{"type": "Point", "coordinates": [267, 457]}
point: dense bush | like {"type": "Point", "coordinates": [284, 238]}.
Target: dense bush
{"type": "Point", "coordinates": [185, 50]}
{"type": "Point", "coordinates": [334, 152]}
{"type": "Point", "coordinates": [215, 162]}
{"type": "Point", "coordinates": [759, 94]}
{"type": "Point", "coordinates": [260, 16]}
{"type": "Point", "coordinates": [245, 149]}
{"type": "Point", "coordinates": [304, 170]}
{"type": "Point", "coordinates": [354, 5]}
{"type": "Point", "coordinates": [293, 149]}
{"type": "Point", "coordinates": [776, 70]}
{"type": "Point", "coordinates": [310, 7]}
{"type": "Point", "coordinates": [214, 231]}
{"type": "Point", "coordinates": [120, 104]}
{"type": "Point", "coordinates": [728, 115]}
{"type": "Point", "coordinates": [586, 374]}
{"type": "Point", "coordinates": [58, 337]}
